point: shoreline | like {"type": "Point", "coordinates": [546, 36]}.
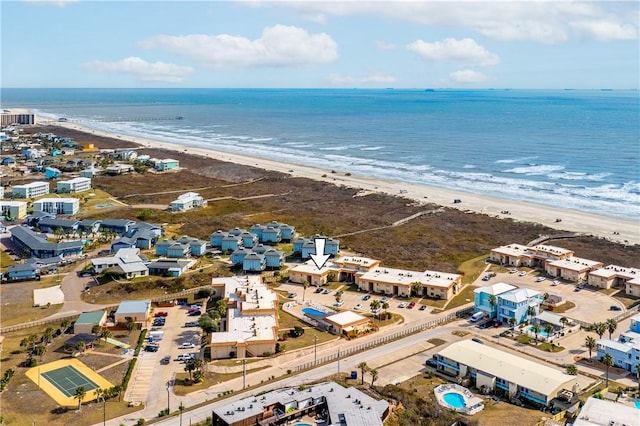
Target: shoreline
{"type": "Point", "coordinates": [626, 231]}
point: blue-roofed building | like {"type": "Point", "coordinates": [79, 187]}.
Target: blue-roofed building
{"type": "Point", "coordinates": [287, 232]}
{"type": "Point", "coordinates": [169, 267]}
{"type": "Point", "coordinates": [253, 262]}
{"type": "Point", "coordinates": [271, 235]}
{"type": "Point", "coordinates": [297, 245]}
{"type": "Point", "coordinates": [260, 249]}
{"type": "Point", "coordinates": [65, 226]}
{"type": "Point", "coordinates": [8, 161]}
{"type": "Point", "coordinates": [230, 243]}
{"type": "Point", "coordinates": [177, 250]}
{"type": "Point", "coordinates": [238, 255]}
{"type": "Point", "coordinates": [274, 259]}
{"type": "Point", "coordinates": [118, 226]}
{"type": "Point", "coordinates": [482, 298]}
{"type": "Point", "coordinates": [332, 247]}
{"type": "Point", "coordinates": [248, 239]}
{"type": "Point", "coordinates": [197, 247]}
{"type": "Point", "coordinates": [162, 246]}
{"type": "Point", "coordinates": [89, 225]}
{"type": "Point", "coordinates": [257, 230]}
{"type": "Point", "coordinates": [23, 272]}
{"type": "Point", "coordinates": [133, 310]}
{"type": "Point", "coordinates": [309, 248]}
{"type": "Point", "coordinates": [122, 243]}
{"type": "Point", "coordinates": [236, 232]}
{"type": "Point", "coordinates": [516, 303]}
{"type": "Point", "coordinates": [52, 173]}
{"type": "Point", "coordinates": [215, 239]}
{"type": "Point", "coordinates": [87, 320]}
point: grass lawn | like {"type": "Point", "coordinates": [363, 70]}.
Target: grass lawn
{"type": "Point", "coordinates": [17, 302]}
{"type": "Point", "coordinates": [564, 307]}
{"type": "Point", "coordinates": [472, 268]}
{"type": "Point", "coordinates": [210, 379]}
{"type": "Point", "coordinates": [627, 300]}
{"type": "Point", "coordinates": [462, 298]}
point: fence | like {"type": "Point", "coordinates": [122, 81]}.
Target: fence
{"type": "Point", "coordinates": [386, 339]}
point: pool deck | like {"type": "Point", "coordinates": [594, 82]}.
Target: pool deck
{"type": "Point", "coordinates": [472, 403]}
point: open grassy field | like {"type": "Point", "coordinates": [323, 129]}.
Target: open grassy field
{"type": "Point", "coordinates": [17, 301]}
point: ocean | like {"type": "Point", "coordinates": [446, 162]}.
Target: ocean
{"type": "Point", "coordinates": [565, 148]}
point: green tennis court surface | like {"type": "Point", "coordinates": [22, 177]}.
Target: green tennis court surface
{"type": "Point", "coordinates": [67, 379]}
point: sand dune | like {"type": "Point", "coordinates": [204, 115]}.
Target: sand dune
{"type": "Point", "coordinates": [616, 229]}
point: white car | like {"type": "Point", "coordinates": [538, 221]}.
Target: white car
{"type": "Point", "coordinates": [522, 274]}
{"type": "Point", "coordinates": [513, 271]}
{"type": "Point", "coordinates": [402, 305]}
{"type": "Point", "coordinates": [339, 303]}
{"type": "Point", "coordinates": [187, 345]}
{"type": "Point", "coordinates": [540, 279]}
{"type": "Point", "coordinates": [357, 307]}
{"type": "Point", "coordinates": [555, 282]}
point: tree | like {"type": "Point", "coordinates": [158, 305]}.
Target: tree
{"type": "Point", "coordinates": [416, 288]}
{"type": "Point", "coordinates": [374, 376]}
{"type": "Point", "coordinates": [81, 347]}
{"type": "Point", "coordinates": [106, 334]}
{"type": "Point", "coordinates": [531, 311]}
{"type": "Point", "coordinates": [338, 295]}
{"type": "Point", "coordinates": [80, 395]}
{"type": "Point", "coordinates": [564, 321]}
{"type": "Point", "coordinates": [363, 368]}
{"type": "Point", "coordinates": [131, 326]}
{"type": "Point", "coordinates": [536, 329]}
{"type": "Point", "coordinates": [96, 329]}
{"type": "Point", "coordinates": [64, 325]}
{"type": "Point", "coordinates": [189, 367]}
{"type": "Point", "coordinates": [600, 328]}
{"type": "Point", "coordinates": [607, 360]}
{"type": "Point", "coordinates": [39, 351]}
{"type": "Point", "coordinates": [493, 301]}
{"type": "Point", "coordinates": [590, 343]}
{"type": "Point", "coordinates": [611, 326]}
{"type": "Point", "coordinates": [637, 368]}
{"type": "Point", "coordinates": [512, 322]}
{"type": "Point", "coordinates": [207, 324]}
{"type": "Point", "coordinates": [375, 306]}
{"type": "Point", "coordinates": [549, 329]}
{"type": "Point", "coordinates": [47, 335]}
{"type": "Point", "coordinates": [305, 286]}
{"type": "Point", "coordinates": [572, 369]}
{"type": "Point", "coordinates": [221, 308]}
{"type": "Point", "coordinates": [385, 306]}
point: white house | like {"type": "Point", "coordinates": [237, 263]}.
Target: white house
{"type": "Point", "coordinates": [188, 201]}
{"type": "Point", "coordinates": [31, 190]}
{"type": "Point", "coordinates": [74, 185]}
{"type": "Point", "coordinates": [68, 206]}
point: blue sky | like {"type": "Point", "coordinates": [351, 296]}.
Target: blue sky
{"type": "Point", "coordinates": [332, 44]}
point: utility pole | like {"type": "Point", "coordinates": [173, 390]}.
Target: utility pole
{"type": "Point", "coordinates": [181, 408]}
{"type": "Point", "coordinates": [244, 373]}
{"type": "Point", "coordinates": [315, 349]}
{"type": "Point", "coordinates": [168, 409]}
{"type": "Point", "coordinates": [338, 360]}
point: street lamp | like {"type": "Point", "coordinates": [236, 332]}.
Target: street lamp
{"type": "Point", "coordinates": [168, 409]}
{"type": "Point", "coordinates": [181, 408]}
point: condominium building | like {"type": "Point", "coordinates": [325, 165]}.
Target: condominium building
{"type": "Point", "coordinates": [69, 206]}
{"type": "Point", "coordinates": [74, 185]}
{"type": "Point", "coordinates": [14, 209]}
{"type": "Point", "coordinates": [31, 190]}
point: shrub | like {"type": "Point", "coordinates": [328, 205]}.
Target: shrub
{"type": "Point", "coordinates": [141, 421]}
{"type": "Point", "coordinates": [127, 376]}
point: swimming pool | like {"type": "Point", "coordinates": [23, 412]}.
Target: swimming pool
{"type": "Point", "coordinates": [313, 312]}
{"type": "Point", "coordinates": [637, 403]}
{"type": "Point", "coordinates": [454, 399]}
{"type": "Point", "coordinates": [541, 332]}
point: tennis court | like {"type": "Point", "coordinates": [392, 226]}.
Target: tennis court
{"type": "Point", "coordinates": [60, 379]}
{"type": "Point", "coordinates": [67, 379]}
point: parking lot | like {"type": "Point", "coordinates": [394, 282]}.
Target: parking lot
{"type": "Point", "coordinates": [591, 305]}
{"type": "Point", "coordinates": [351, 299]}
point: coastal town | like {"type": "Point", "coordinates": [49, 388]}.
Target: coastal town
{"type": "Point", "coordinates": [138, 287]}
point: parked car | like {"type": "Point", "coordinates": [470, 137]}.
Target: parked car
{"type": "Point", "coordinates": [292, 295]}
{"type": "Point", "coordinates": [384, 299]}
{"type": "Point", "coordinates": [339, 303]}
{"type": "Point", "coordinates": [160, 314]}
{"type": "Point", "coordinates": [423, 307]}
{"type": "Point", "coordinates": [165, 360]}
{"type": "Point", "coordinates": [194, 313]}
{"type": "Point", "coordinates": [615, 308]}
{"type": "Point", "coordinates": [326, 291]}
{"type": "Point", "coordinates": [411, 305]}
{"type": "Point", "coordinates": [366, 297]}
{"type": "Point", "coordinates": [357, 307]}
{"type": "Point", "coordinates": [191, 324]}
{"type": "Point", "coordinates": [522, 274]}
{"type": "Point", "coordinates": [486, 278]}
{"type": "Point", "coordinates": [187, 345]}
{"type": "Point", "coordinates": [475, 339]}
{"type": "Point", "coordinates": [540, 279]}
{"type": "Point", "coordinates": [151, 348]}
{"type": "Point", "coordinates": [513, 271]}
{"type": "Point", "coordinates": [402, 305]}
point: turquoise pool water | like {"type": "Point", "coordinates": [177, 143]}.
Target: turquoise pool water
{"type": "Point", "coordinates": [542, 333]}
{"type": "Point", "coordinates": [313, 312]}
{"type": "Point", "coordinates": [302, 424]}
{"type": "Point", "coordinates": [637, 403]}
{"type": "Point", "coordinates": [454, 399]}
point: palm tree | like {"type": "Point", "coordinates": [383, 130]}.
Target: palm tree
{"type": "Point", "coordinates": [79, 395]}
{"type": "Point", "coordinates": [305, 286]}
{"type": "Point", "coordinates": [190, 366]}
{"type": "Point", "coordinates": [106, 334]}
{"type": "Point", "coordinates": [638, 375]}
{"type": "Point", "coordinates": [611, 326]}
{"type": "Point", "coordinates": [385, 306]}
{"type": "Point", "coordinates": [512, 322]}
{"type": "Point", "coordinates": [607, 360]}
{"type": "Point", "coordinates": [64, 325]}
{"type": "Point", "coordinates": [493, 301]}
{"type": "Point", "coordinates": [549, 329]}
{"type": "Point", "coordinates": [564, 321]}
{"type": "Point", "coordinates": [531, 311]}
{"type": "Point", "coordinates": [131, 326]}
{"type": "Point", "coordinates": [590, 343]}
{"type": "Point", "coordinates": [600, 328]}
{"type": "Point", "coordinates": [363, 368]}
{"type": "Point", "coordinates": [416, 288]}
{"type": "Point", "coordinates": [81, 347]}
{"type": "Point", "coordinates": [96, 329]}
{"type": "Point", "coordinates": [536, 329]}
{"type": "Point", "coordinates": [375, 306]}
{"type": "Point", "coordinates": [338, 295]}
{"type": "Point", "coordinates": [572, 369]}
{"type": "Point", "coordinates": [374, 376]}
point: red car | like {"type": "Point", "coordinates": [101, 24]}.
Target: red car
{"type": "Point", "coordinates": [411, 305]}
{"type": "Point", "coordinates": [160, 314]}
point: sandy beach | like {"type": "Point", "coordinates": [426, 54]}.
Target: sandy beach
{"type": "Point", "coordinates": [613, 228]}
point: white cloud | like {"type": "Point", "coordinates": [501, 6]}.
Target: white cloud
{"type": "Point", "coordinates": [57, 3]}
{"type": "Point", "coordinates": [606, 30]}
{"type": "Point", "coordinates": [385, 45]}
{"type": "Point", "coordinates": [146, 71]}
{"type": "Point", "coordinates": [369, 79]}
{"type": "Point", "coordinates": [467, 77]}
{"type": "Point", "coordinates": [543, 21]}
{"type": "Point", "coordinates": [278, 46]}
{"type": "Point", "coordinates": [465, 51]}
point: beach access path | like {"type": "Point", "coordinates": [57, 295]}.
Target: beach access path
{"type": "Point", "coordinates": [626, 231]}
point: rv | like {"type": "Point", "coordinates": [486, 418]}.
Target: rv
{"type": "Point", "coordinates": [477, 317]}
